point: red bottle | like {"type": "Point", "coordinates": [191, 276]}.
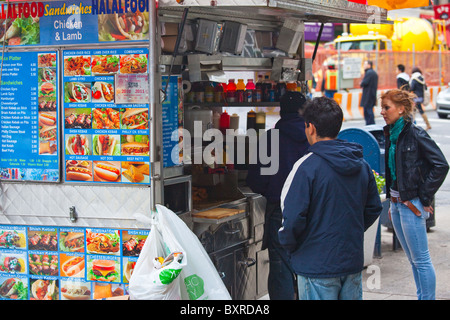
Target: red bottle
{"type": "Point", "coordinates": [231, 91]}
{"type": "Point", "coordinates": [224, 122]}
{"type": "Point", "coordinates": [250, 91]}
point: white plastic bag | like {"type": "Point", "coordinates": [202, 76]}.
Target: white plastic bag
{"type": "Point", "coordinates": [150, 280]}
{"type": "Point", "coordinates": [199, 277]}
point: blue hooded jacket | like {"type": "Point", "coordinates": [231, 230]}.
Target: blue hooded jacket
{"type": "Point", "coordinates": [329, 199]}
{"type": "Point", "coordinates": [293, 144]}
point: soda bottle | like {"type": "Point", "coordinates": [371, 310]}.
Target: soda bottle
{"type": "Point", "coordinates": [209, 92]}
{"type": "Point", "coordinates": [280, 91]}
{"type": "Point", "coordinates": [272, 94]}
{"type": "Point", "coordinates": [240, 90]}
{"type": "Point", "coordinates": [218, 93]}
{"type": "Point", "coordinates": [249, 90]}
{"type": "Point", "coordinates": [267, 86]}
{"type": "Point", "coordinates": [259, 89]}
{"type": "Point", "coordinates": [231, 91]}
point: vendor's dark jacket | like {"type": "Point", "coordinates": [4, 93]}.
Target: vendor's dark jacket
{"type": "Point", "coordinates": [293, 144]}
{"type": "Point", "coordinates": [421, 165]}
{"type": "Point", "coordinates": [370, 87]}
{"type": "Point", "coordinates": [329, 199]}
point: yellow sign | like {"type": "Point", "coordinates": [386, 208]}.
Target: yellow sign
{"type": "Point", "coordinates": [398, 4]}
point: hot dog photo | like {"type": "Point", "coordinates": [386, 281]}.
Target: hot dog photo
{"type": "Point", "coordinates": [106, 145]}
{"type": "Point", "coordinates": [72, 265]}
{"type": "Point", "coordinates": [107, 171]}
{"type": "Point", "coordinates": [79, 170]}
{"type": "Point", "coordinates": [47, 118]}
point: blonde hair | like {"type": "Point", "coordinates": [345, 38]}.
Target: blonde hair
{"type": "Point", "coordinates": [401, 98]}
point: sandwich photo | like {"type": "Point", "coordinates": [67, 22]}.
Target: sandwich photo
{"type": "Point", "coordinates": [106, 171]}
{"type": "Point", "coordinates": [44, 290]}
{"type": "Point", "coordinates": [135, 145]}
{"type": "Point", "coordinates": [71, 290]}
{"type": "Point", "coordinates": [14, 288]}
{"type": "Point", "coordinates": [47, 133]}
{"type": "Point", "coordinates": [105, 145]}
{"type": "Point", "coordinates": [79, 170]}
{"type": "Point", "coordinates": [77, 145]}
{"type": "Point", "coordinates": [135, 118]}
{"type": "Point", "coordinates": [78, 92]}
{"type": "Point", "coordinates": [47, 89]}
{"type": "Point", "coordinates": [123, 26]}
{"type": "Point", "coordinates": [47, 74]}
{"type": "Point", "coordinates": [103, 270]}
{"type": "Point", "coordinates": [102, 92]}
{"type": "Point", "coordinates": [47, 118]}
{"type": "Point", "coordinates": [72, 266]}
{"type": "Point", "coordinates": [71, 241]}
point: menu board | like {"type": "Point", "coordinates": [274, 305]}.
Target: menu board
{"type": "Point", "coordinates": [29, 113]}
{"type": "Point", "coordinates": [172, 119]}
{"type": "Point", "coordinates": [65, 263]}
{"type": "Point", "coordinates": [104, 142]}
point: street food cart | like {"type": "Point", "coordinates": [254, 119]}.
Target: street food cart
{"type": "Point", "coordinates": [92, 109]}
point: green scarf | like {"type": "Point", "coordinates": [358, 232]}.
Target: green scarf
{"type": "Point", "coordinates": [394, 132]}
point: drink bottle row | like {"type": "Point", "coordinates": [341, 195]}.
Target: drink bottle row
{"type": "Point", "coordinates": [264, 90]}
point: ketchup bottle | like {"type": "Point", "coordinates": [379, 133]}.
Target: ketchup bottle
{"type": "Point", "coordinates": [224, 122]}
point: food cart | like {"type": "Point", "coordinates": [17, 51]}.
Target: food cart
{"type": "Point", "coordinates": [91, 134]}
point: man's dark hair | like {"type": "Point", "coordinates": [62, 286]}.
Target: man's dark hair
{"type": "Point", "coordinates": [326, 115]}
{"type": "Point", "coordinates": [401, 67]}
{"type": "Point", "coordinates": [370, 63]}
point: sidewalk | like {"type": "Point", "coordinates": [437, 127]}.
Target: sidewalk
{"type": "Point", "coordinates": [396, 278]}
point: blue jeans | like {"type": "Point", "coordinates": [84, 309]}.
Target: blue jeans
{"type": "Point", "coordinates": [411, 232]}
{"type": "Point", "coordinates": [339, 288]}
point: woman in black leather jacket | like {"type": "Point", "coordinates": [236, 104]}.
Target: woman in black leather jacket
{"type": "Point", "coordinates": [415, 169]}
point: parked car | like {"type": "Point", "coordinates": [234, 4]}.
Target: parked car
{"type": "Point", "coordinates": [443, 103]}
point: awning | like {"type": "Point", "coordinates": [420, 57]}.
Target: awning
{"type": "Point", "coordinates": [398, 4]}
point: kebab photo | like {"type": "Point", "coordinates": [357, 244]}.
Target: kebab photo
{"type": "Point", "coordinates": [42, 241]}
{"type": "Point", "coordinates": [43, 264]}
{"type": "Point", "coordinates": [78, 118]}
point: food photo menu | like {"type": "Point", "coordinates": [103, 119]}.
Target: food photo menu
{"type": "Point", "coordinates": [65, 263]}
{"type": "Point", "coordinates": [105, 141]}
{"type": "Point", "coordinates": [29, 113]}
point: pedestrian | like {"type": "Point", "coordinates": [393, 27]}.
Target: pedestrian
{"type": "Point", "coordinates": [418, 87]}
{"type": "Point", "coordinates": [415, 169]}
{"type": "Point", "coordinates": [293, 144]}
{"type": "Point", "coordinates": [402, 78]}
{"type": "Point", "coordinates": [328, 200]}
{"type": "Point", "coordinates": [369, 94]}
{"type": "Point", "coordinates": [330, 81]}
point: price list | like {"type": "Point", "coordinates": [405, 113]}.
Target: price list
{"type": "Point", "coordinates": [28, 122]}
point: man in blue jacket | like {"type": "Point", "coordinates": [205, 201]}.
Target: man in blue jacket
{"type": "Point", "coordinates": [328, 200]}
{"type": "Point", "coordinates": [293, 144]}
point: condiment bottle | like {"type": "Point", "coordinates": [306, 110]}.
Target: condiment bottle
{"type": "Point", "coordinates": [234, 121]}
{"type": "Point", "coordinates": [224, 122]}
{"type": "Point", "coordinates": [240, 90]}
{"type": "Point", "coordinates": [251, 119]}
{"type": "Point", "coordinates": [216, 120]}
{"type": "Point", "coordinates": [260, 120]}
{"type": "Point", "coordinates": [231, 91]}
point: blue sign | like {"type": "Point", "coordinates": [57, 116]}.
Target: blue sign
{"type": "Point", "coordinates": [29, 113]}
